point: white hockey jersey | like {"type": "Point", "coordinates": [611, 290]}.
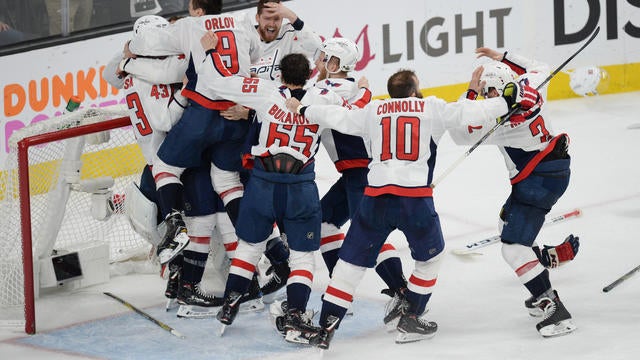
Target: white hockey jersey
{"type": "Point", "coordinates": [152, 95]}
{"type": "Point", "coordinates": [346, 151]}
{"type": "Point", "coordinates": [293, 38]}
{"type": "Point", "coordinates": [238, 47]}
{"type": "Point", "coordinates": [527, 133]}
{"type": "Point", "coordinates": [403, 136]}
{"type": "Point", "coordinates": [281, 131]}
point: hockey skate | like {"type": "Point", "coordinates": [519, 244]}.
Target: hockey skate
{"type": "Point", "coordinates": [322, 339]}
{"type": "Point", "coordinates": [173, 285]}
{"type": "Point", "coordinates": [412, 327]}
{"type": "Point", "coordinates": [175, 238]}
{"type": "Point", "coordinates": [195, 304]}
{"type": "Point", "coordinates": [557, 320]}
{"type": "Point", "coordinates": [252, 299]}
{"type": "Point", "coordinates": [394, 308]}
{"type": "Point", "coordinates": [278, 309]}
{"type": "Point", "coordinates": [278, 280]}
{"type": "Point", "coordinates": [229, 310]}
{"type": "Point", "coordinates": [297, 327]}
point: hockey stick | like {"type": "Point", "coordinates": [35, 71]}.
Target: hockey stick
{"type": "Point", "coordinates": [506, 117]}
{"type": "Point", "coordinates": [621, 279]}
{"type": "Point", "coordinates": [470, 249]}
{"type": "Point", "coordinates": [146, 316]}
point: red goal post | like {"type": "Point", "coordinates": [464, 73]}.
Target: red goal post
{"type": "Point", "coordinates": [61, 202]}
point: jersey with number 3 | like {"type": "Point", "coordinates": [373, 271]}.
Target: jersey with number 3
{"type": "Point", "coordinates": [154, 107]}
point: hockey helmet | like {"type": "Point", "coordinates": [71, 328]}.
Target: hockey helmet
{"type": "Point", "coordinates": [149, 21]}
{"type": "Point", "coordinates": [496, 75]}
{"type": "Point", "coordinates": [344, 50]}
{"type": "Point", "coordinates": [588, 80]}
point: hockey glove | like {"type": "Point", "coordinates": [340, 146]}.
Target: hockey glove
{"type": "Point", "coordinates": [554, 256]}
{"type": "Point", "coordinates": [520, 95]}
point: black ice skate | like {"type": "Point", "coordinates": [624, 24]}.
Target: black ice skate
{"type": "Point", "coordinates": [252, 299]}
{"type": "Point", "coordinates": [557, 320]}
{"type": "Point", "coordinates": [412, 327]}
{"type": "Point", "coordinates": [175, 238]}
{"type": "Point", "coordinates": [229, 310]}
{"type": "Point", "coordinates": [298, 328]}
{"type": "Point", "coordinates": [173, 285]}
{"type": "Point", "coordinates": [394, 308]}
{"type": "Point", "coordinates": [194, 303]}
{"type": "Point", "coordinates": [322, 339]}
{"type": "Point", "coordinates": [534, 311]}
{"type": "Point", "coordinates": [278, 280]}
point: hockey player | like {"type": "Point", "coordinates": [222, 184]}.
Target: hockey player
{"type": "Point", "coordinates": [402, 135]}
{"type": "Point", "coordinates": [278, 38]}
{"type": "Point", "coordinates": [538, 163]}
{"type": "Point", "coordinates": [281, 188]}
{"type": "Point", "coordinates": [151, 87]}
{"type": "Point", "coordinates": [334, 60]}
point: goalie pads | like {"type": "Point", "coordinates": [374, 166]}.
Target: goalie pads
{"type": "Point", "coordinates": [142, 214]}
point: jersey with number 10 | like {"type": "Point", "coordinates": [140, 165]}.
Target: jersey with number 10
{"type": "Point", "coordinates": [403, 136]}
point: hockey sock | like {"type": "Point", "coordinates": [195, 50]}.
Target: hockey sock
{"type": "Point", "coordinates": [539, 284]}
{"type": "Point", "coordinates": [329, 308]}
{"type": "Point", "coordinates": [417, 302]}
{"type": "Point", "coordinates": [170, 198]}
{"type": "Point", "coordinates": [233, 210]}
{"type": "Point", "coordinates": [193, 266]}
{"type": "Point", "coordinates": [390, 271]}
{"type": "Point", "coordinates": [236, 283]}
{"type": "Point", "coordinates": [298, 296]}
{"type": "Point", "coordinates": [330, 258]}
{"type": "Point", "coordinates": [277, 252]}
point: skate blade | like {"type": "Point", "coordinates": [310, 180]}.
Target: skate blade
{"type": "Point", "coordinates": [404, 338]}
{"type": "Point", "coordinates": [560, 328]}
{"type": "Point", "coordinates": [222, 329]}
{"type": "Point", "coordinates": [171, 304]}
{"type": "Point", "coordinates": [295, 337]}
{"type": "Point", "coordinates": [254, 305]}
{"type": "Point", "coordinates": [197, 312]}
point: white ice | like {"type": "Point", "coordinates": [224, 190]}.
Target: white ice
{"type": "Point", "coordinates": [478, 302]}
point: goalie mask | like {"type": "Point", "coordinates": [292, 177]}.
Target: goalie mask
{"type": "Point", "coordinates": [149, 21]}
{"type": "Point", "coordinates": [345, 50]}
{"type": "Point", "coordinates": [589, 80]}
{"type": "Point", "coordinates": [496, 75]}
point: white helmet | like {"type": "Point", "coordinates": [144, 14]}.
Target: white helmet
{"type": "Point", "coordinates": [589, 80]}
{"type": "Point", "coordinates": [496, 75]}
{"type": "Point", "coordinates": [343, 49]}
{"type": "Point", "coordinates": [149, 21]}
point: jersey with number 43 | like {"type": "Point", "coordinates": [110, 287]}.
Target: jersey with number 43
{"type": "Point", "coordinates": [238, 47]}
{"type": "Point", "coordinates": [403, 136]}
{"type": "Point", "coordinates": [526, 133]}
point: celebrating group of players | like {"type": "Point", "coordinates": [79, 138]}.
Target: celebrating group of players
{"type": "Point", "coordinates": [230, 155]}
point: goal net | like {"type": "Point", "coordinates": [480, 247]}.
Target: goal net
{"type": "Point", "coordinates": [61, 207]}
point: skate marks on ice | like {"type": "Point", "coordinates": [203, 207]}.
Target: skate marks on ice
{"type": "Point", "coordinates": [251, 336]}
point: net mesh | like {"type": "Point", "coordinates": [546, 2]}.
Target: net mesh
{"type": "Point", "coordinates": [56, 224]}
